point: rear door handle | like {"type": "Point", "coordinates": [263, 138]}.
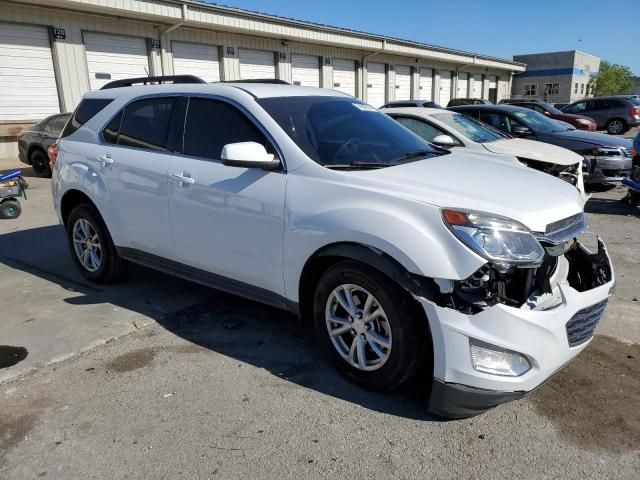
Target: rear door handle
{"type": "Point", "coordinates": [105, 159]}
{"type": "Point", "coordinates": [183, 179]}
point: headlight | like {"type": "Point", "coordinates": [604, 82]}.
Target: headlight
{"type": "Point", "coordinates": [496, 238]}
{"type": "Point", "coordinates": [583, 121]}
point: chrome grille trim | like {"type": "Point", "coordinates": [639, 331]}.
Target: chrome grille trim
{"type": "Point", "coordinates": [581, 326]}
{"type": "Point", "coordinates": [563, 230]}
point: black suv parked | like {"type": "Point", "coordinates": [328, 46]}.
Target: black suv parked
{"type": "Point", "coordinates": [616, 114]}
{"type": "Point", "coordinates": [609, 156]}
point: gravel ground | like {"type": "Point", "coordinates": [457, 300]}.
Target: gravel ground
{"type": "Point", "coordinates": [232, 389]}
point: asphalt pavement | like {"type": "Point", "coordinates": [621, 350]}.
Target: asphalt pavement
{"type": "Point", "coordinates": [164, 379]}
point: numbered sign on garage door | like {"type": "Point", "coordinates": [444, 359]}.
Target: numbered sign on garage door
{"type": "Point", "coordinates": [196, 59]}
{"type": "Point", "coordinates": [305, 70]}
{"type": "Point", "coordinates": [344, 76]}
{"type": "Point", "coordinates": [463, 84]}
{"type": "Point", "coordinates": [256, 64]}
{"type": "Point", "coordinates": [403, 82]}
{"type": "Point", "coordinates": [114, 57]}
{"type": "Point", "coordinates": [426, 84]}
{"type": "Point", "coordinates": [376, 84]}
{"type": "Point", "coordinates": [27, 80]}
{"type": "Point", "coordinates": [445, 87]}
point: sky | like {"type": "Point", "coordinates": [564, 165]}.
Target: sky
{"type": "Point", "coordinates": [501, 28]}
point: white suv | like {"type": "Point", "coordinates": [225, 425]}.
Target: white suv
{"type": "Point", "coordinates": [400, 254]}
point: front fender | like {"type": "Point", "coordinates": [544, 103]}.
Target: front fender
{"type": "Point", "coordinates": [410, 232]}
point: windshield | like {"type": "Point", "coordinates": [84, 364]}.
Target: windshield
{"type": "Point", "coordinates": [537, 122]}
{"type": "Point", "coordinates": [336, 131]}
{"type": "Point", "coordinates": [551, 109]}
{"type": "Point", "coordinates": [468, 127]}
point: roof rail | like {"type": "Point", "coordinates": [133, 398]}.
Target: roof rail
{"type": "Point", "coordinates": [128, 82]}
{"type": "Point", "coordinates": [274, 81]}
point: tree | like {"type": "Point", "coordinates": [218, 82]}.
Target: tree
{"type": "Point", "coordinates": [612, 79]}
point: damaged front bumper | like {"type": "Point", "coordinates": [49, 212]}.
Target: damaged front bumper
{"type": "Point", "coordinates": [549, 329]}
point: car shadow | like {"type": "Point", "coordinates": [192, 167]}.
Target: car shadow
{"type": "Point", "coordinates": [610, 206]}
{"type": "Point", "coordinates": [248, 332]}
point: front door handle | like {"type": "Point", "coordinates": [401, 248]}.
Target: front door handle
{"type": "Point", "coordinates": [183, 179]}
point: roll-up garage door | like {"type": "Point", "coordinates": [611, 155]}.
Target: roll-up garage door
{"type": "Point", "coordinates": [426, 84]}
{"type": "Point", "coordinates": [376, 81]}
{"type": "Point", "coordinates": [114, 57]}
{"type": "Point", "coordinates": [344, 76]}
{"type": "Point", "coordinates": [196, 59]}
{"type": "Point", "coordinates": [463, 85]}
{"type": "Point", "coordinates": [445, 87]}
{"type": "Point", "coordinates": [305, 70]}
{"type": "Point", "coordinates": [476, 90]}
{"type": "Point", "coordinates": [403, 82]}
{"type": "Point", "coordinates": [257, 64]}
{"type": "Point", "coordinates": [27, 79]}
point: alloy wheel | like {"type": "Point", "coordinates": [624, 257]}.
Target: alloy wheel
{"type": "Point", "coordinates": [86, 245]}
{"type": "Point", "coordinates": [616, 127]}
{"type": "Point", "coordinates": [358, 327]}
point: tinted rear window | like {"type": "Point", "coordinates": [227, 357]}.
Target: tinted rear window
{"type": "Point", "coordinates": [145, 123]}
{"type": "Point", "coordinates": [87, 109]}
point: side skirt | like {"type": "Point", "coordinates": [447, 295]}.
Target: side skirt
{"type": "Point", "coordinates": [208, 279]}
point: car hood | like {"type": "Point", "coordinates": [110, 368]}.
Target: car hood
{"type": "Point", "coordinates": [542, 152]}
{"type": "Point", "coordinates": [469, 181]}
{"type": "Point", "coordinates": [592, 138]}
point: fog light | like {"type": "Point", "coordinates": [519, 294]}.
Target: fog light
{"type": "Point", "coordinates": [488, 358]}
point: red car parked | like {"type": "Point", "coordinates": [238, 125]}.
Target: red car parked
{"type": "Point", "coordinates": [579, 121]}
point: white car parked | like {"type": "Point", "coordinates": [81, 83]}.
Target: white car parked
{"type": "Point", "coordinates": [456, 131]}
{"type": "Point", "coordinates": [400, 254]}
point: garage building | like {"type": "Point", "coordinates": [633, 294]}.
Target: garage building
{"type": "Point", "coordinates": [52, 52]}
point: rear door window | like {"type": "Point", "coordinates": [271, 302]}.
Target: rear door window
{"type": "Point", "coordinates": [212, 124]}
{"type": "Point", "coordinates": [145, 124]}
{"type": "Point", "coordinates": [87, 109]}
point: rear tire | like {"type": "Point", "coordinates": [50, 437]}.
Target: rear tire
{"type": "Point", "coordinates": [10, 209]}
{"type": "Point", "coordinates": [381, 353]}
{"type": "Point", "coordinates": [616, 126]}
{"type": "Point", "coordinates": [40, 163]}
{"type": "Point", "coordinates": [91, 246]}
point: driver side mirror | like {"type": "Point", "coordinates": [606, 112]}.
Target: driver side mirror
{"type": "Point", "coordinates": [248, 155]}
{"type": "Point", "coordinates": [444, 141]}
{"type": "Point", "coordinates": [520, 131]}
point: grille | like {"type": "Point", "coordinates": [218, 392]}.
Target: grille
{"type": "Point", "coordinates": [581, 326]}
{"type": "Point", "coordinates": [563, 230]}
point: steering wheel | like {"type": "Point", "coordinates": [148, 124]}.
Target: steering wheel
{"type": "Point", "coordinates": [350, 146]}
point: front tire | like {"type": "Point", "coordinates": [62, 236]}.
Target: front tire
{"type": "Point", "coordinates": [370, 327]}
{"type": "Point", "coordinates": [617, 126]}
{"type": "Point", "coordinates": [91, 246]}
{"type": "Point", "coordinates": [40, 163]}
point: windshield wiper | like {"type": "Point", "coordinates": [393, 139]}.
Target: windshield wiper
{"type": "Point", "coordinates": [417, 153]}
{"type": "Point", "coordinates": [360, 165]}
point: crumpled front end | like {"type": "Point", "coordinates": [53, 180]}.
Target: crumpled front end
{"type": "Point", "coordinates": [503, 332]}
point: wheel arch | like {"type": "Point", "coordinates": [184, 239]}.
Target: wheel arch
{"type": "Point", "coordinates": [328, 255]}
{"type": "Point", "coordinates": [71, 199]}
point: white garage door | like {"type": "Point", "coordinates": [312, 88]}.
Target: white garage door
{"type": "Point", "coordinates": [463, 85]}
{"type": "Point", "coordinates": [445, 87]}
{"type": "Point", "coordinates": [114, 57]}
{"type": "Point", "coordinates": [476, 89]}
{"type": "Point", "coordinates": [493, 81]}
{"type": "Point", "coordinates": [196, 59]}
{"type": "Point", "coordinates": [305, 70]}
{"type": "Point", "coordinates": [257, 64]}
{"type": "Point", "coordinates": [403, 82]}
{"type": "Point", "coordinates": [27, 79]}
{"type": "Point", "coordinates": [376, 81]}
{"type": "Point", "coordinates": [344, 76]}
{"type": "Point", "coordinates": [426, 84]}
